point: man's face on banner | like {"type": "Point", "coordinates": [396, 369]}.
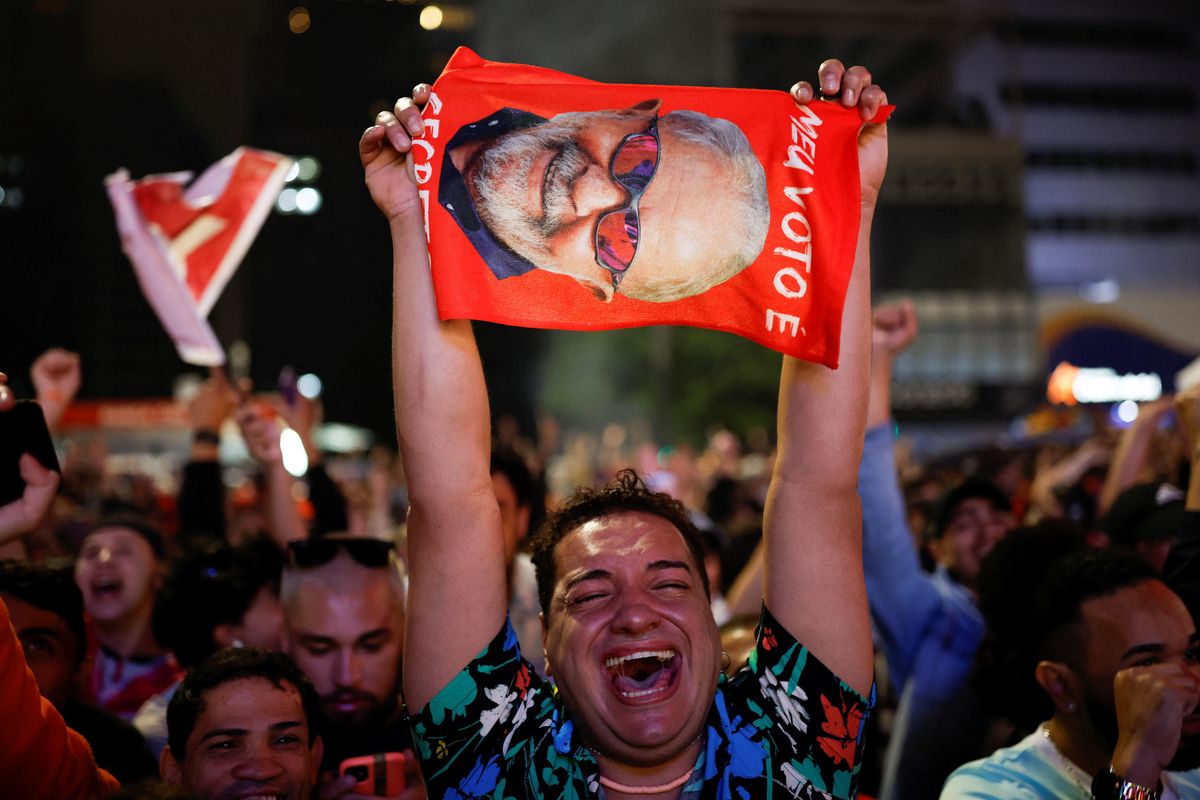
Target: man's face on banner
{"type": "Point", "coordinates": [543, 190]}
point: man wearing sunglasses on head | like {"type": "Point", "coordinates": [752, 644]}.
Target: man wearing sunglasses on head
{"type": "Point", "coordinates": [343, 612]}
{"type": "Point", "coordinates": [638, 707]}
{"type": "Point", "coordinates": [655, 207]}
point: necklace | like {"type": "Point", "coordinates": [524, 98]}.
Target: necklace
{"type": "Point", "coordinates": [1081, 778]}
{"type": "Point", "coordinates": [656, 789]}
{"type": "Point", "coordinates": [609, 783]}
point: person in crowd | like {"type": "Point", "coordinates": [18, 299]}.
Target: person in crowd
{"type": "Point", "coordinates": [39, 755]}
{"type": "Point", "coordinates": [629, 636]}
{"type": "Point", "coordinates": [343, 607]}
{"type": "Point", "coordinates": [1147, 519]}
{"type": "Point", "coordinates": [213, 597]}
{"type": "Point", "coordinates": [243, 724]}
{"type": "Point", "coordinates": [119, 570]}
{"type": "Point", "coordinates": [46, 610]}
{"type": "Point", "coordinates": [517, 495]}
{"type": "Point", "coordinates": [1116, 660]}
{"type": "Point", "coordinates": [1181, 569]}
{"type": "Point", "coordinates": [929, 624]}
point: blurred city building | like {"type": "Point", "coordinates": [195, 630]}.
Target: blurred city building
{"type": "Point", "coordinates": [1042, 203]}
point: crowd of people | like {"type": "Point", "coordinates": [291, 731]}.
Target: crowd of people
{"type": "Point", "coordinates": [492, 615]}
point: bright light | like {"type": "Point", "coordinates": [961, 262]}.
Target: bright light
{"type": "Point", "coordinates": [299, 20]}
{"type": "Point", "coordinates": [1069, 385]}
{"type": "Point", "coordinates": [1105, 291]}
{"type": "Point", "coordinates": [292, 173]}
{"type": "Point", "coordinates": [1127, 411]}
{"type": "Point", "coordinates": [309, 385]}
{"type": "Point", "coordinates": [308, 168]}
{"type": "Point", "coordinates": [431, 18]}
{"type": "Point", "coordinates": [308, 200]}
{"type": "Point", "coordinates": [291, 447]}
{"type": "Point", "coordinates": [287, 201]}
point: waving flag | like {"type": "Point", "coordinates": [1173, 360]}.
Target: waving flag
{"type": "Point", "coordinates": [186, 242]}
{"type": "Point", "coordinates": [553, 201]}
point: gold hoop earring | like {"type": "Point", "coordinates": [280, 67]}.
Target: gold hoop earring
{"type": "Point", "coordinates": [726, 660]}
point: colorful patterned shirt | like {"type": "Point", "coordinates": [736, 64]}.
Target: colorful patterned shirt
{"type": "Point", "coordinates": [784, 726]}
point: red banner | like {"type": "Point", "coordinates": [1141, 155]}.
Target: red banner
{"type": "Point", "coordinates": [185, 242]}
{"type": "Point", "coordinates": [553, 201]}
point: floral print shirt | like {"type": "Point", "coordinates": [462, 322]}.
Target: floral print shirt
{"type": "Point", "coordinates": [784, 726]}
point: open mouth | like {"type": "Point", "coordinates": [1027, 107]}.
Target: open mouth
{"type": "Point", "coordinates": [643, 675]}
{"type": "Point", "coordinates": [106, 587]}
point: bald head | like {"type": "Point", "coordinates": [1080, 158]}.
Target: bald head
{"type": "Point", "coordinates": [341, 576]}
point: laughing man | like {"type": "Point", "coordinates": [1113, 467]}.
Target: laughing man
{"type": "Point", "coordinates": [637, 706]}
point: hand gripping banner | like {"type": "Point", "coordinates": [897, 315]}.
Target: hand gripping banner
{"type": "Point", "coordinates": [557, 202]}
{"type": "Point", "coordinates": [185, 244]}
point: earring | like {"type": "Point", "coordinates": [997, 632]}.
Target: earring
{"type": "Point", "coordinates": [725, 660]}
{"type": "Point", "coordinates": [238, 643]}
{"type": "Point", "coordinates": [1070, 708]}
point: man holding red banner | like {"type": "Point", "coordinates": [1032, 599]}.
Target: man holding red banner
{"type": "Point", "coordinates": [638, 707]}
{"type": "Point", "coordinates": [586, 193]}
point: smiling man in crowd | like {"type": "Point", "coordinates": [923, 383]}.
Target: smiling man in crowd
{"type": "Point", "coordinates": [629, 637]}
{"type": "Point", "coordinates": [588, 194]}
{"type": "Point", "coordinates": [241, 726]}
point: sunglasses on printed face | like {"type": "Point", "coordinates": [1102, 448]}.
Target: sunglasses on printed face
{"type": "Point", "coordinates": [308, 553]}
{"type": "Point", "coordinates": [618, 231]}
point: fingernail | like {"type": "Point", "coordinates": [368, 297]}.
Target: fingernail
{"type": "Point", "coordinates": [830, 85]}
{"type": "Point", "coordinates": [416, 127]}
{"type": "Point", "coordinates": [849, 97]}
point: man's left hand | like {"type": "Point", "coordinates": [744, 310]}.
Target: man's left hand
{"type": "Point", "coordinates": [853, 88]}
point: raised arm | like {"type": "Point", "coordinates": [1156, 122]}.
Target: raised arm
{"type": "Point", "coordinates": [814, 582]}
{"type": "Point", "coordinates": [902, 595]}
{"type": "Point", "coordinates": [457, 591]}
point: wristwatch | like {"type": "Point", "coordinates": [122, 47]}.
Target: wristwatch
{"type": "Point", "coordinates": [1108, 785]}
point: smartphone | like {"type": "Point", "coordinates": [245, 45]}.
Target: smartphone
{"type": "Point", "coordinates": [381, 775]}
{"type": "Point", "coordinates": [23, 430]}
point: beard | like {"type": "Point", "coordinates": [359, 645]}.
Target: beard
{"type": "Point", "coordinates": [499, 178]}
{"type": "Point", "coordinates": [375, 711]}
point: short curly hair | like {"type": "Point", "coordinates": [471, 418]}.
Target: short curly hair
{"type": "Point", "coordinates": [626, 492]}
{"type": "Point", "coordinates": [1037, 580]}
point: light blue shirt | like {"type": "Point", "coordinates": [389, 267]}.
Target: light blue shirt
{"type": "Point", "coordinates": [1033, 769]}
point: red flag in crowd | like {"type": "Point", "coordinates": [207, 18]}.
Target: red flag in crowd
{"type": "Point", "coordinates": [553, 201]}
{"type": "Point", "coordinates": [186, 243]}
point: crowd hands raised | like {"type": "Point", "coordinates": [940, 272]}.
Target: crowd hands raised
{"type": "Point", "coordinates": [1026, 608]}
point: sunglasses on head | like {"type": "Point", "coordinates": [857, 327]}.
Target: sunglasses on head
{"type": "Point", "coordinates": [308, 553]}
{"type": "Point", "coordinates": [617, 232]}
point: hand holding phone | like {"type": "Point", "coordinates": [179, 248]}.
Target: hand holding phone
{"type": "Point", "coordinates": [29, 471]}
{"type": "Point", "coordinates": [380, 775]}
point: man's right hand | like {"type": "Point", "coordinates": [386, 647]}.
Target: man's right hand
{"type": "Point", "coordinates": [260, 431]}
{"type": "Point", "coordinates": [384, 151]}
{"type": "Point", "coordinates": [894, 327]}
{"type": "Point", "coordinates": [1151, 702]}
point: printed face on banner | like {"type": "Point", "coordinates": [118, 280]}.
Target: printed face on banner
{"type": "Point", "coordinates": [656, 208]}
